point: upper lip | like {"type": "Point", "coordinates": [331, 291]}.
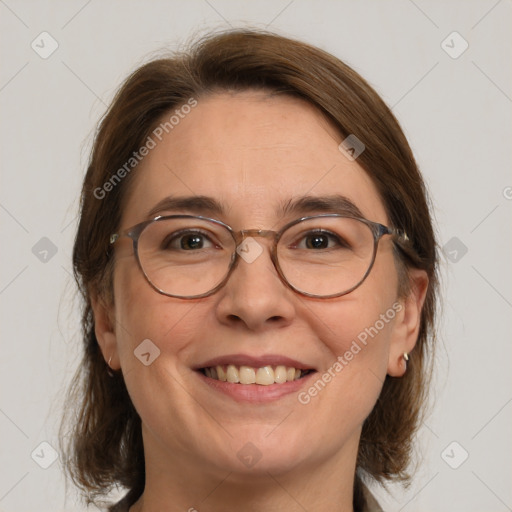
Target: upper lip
{"type": "Point", "coordinates": [254, 361]}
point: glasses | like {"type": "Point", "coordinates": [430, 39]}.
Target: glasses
{"type": "Point", "coordinates": [322, 256]}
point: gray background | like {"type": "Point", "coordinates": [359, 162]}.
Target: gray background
{"type": "Point", "coordinates": [456, 113]}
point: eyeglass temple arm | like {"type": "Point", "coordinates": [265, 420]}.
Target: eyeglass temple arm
{"type": "Point", "coordinates": [405, 245]}
{"type": "Point", "coordinates": [399, 234]}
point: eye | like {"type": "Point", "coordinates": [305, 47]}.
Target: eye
{"type": "Point", "coordinates": [321, 239]}
{"type": "Point", "coordinates": [187, 241]}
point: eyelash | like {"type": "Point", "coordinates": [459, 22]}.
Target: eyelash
{"type": "Point", "coordinates": [332, 236]}
{"type": "Point", "coordinates": [177, 236]}
{"type": "Point", "coordinates": [180, 234]}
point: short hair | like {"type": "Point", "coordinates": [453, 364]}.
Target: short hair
{"type": "Point", "coordinates": [102, 437]}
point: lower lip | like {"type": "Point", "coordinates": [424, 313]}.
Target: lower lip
{"type": "Point", "coordinates": [256, 393]}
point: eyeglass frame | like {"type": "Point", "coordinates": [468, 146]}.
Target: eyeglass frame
{"type": "Point", "coordinates": [399, 237]}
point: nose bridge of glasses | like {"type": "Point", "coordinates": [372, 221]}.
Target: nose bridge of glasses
{"type": "Point", "coordinates": [255, 233]}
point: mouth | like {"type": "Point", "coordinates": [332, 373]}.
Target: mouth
{"type": "Point", "coordinates": [262, 376]}
{"type": "Point", "coordinates": [262, 379]}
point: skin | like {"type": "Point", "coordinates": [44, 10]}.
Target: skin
{"type": "Point", "coordinates": [251, 152]}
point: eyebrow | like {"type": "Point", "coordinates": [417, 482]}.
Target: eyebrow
{"type": "Point", "coordinates": [204, 205]}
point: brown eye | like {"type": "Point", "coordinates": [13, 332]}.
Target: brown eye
{"type": "Point", "coordinates": [186, 241]}
{"type": "Point", "coordinates": [318, 240]}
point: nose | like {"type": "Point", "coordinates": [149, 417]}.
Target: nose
{"type": "Point", "coordinates": [254, 297]}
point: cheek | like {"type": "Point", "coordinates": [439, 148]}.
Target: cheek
{"type": "Point", "coordinates": [154, 333]}
{"type": "Point", "coordinates": [364, 318]}
{"type": "Point", "coordinates": [144, 314]}
{"type": "Point", "coordinates": [345, 390]}
{"type": "Point", "coordinates": [355, 332]}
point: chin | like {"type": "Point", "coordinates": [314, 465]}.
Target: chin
{"type": "Point", "coordinates": [261, 453]}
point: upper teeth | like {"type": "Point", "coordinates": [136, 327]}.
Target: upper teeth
{"type": "Point", "coordinates": [248, 375]}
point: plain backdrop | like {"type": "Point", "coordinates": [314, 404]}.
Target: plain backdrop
{"type": "Point", "coordinates": [454, 104]}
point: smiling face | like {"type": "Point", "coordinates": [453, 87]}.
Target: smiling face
{"type": "Point", "coordinates": [252, 154]}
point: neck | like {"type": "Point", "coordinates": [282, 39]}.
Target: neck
{"type": "Point", "coordinates": [184, 484]}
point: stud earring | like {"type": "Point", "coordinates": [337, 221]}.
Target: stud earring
{"type": "Point", "coordinates": [109, 370]}
{"type": "Point", "coordinates": [406, 357]}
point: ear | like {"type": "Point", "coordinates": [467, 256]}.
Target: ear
{"type": "Point", "coordinates": [407, 323]}
{"type": "Point", "coordinates": [104, 323]}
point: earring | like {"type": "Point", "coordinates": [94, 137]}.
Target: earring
{"type": "Point", "coordinates": [109, 370]}
{"type": "Point", "coordinates": [406, 357]}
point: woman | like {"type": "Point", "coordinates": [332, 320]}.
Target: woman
{"type": "Point", "coordinates": [258, 268]}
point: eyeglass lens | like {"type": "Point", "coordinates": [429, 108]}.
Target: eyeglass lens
{"type": "Point", "coordinates": [320, 256]}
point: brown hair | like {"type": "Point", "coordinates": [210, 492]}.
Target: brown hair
{"type": "Point", "coordinates": [104, 446]}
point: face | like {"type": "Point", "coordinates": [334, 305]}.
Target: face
{"type": "Point", "coordinates": [252, 154]}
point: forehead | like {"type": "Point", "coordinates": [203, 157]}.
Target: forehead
{"type": "Point", "coordinates": [251, 152]}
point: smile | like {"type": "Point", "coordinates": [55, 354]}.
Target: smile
{"type": "Point", "coordinates": [249, 378]}
{"type": "Point", "coordinates": [263, 376]}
